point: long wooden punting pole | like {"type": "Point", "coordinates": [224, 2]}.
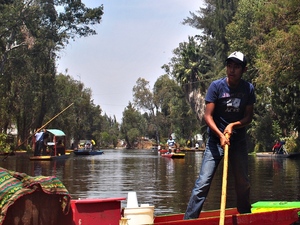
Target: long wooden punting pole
{"type": "Point", "coordinates": [53, 118]}
{"type": "Point", "coordinates": [224, 185]}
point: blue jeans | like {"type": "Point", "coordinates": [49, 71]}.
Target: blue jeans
{"type": "Point", "coordinates": [238, 159]}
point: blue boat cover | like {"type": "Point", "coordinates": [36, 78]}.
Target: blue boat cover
{"type": "Point", "coordinates": [56, 132]}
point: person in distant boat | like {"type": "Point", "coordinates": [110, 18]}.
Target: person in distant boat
{"type": "Point", "coordinates": [60, 147]}
{"type": "Point", "coordinates": [44, 142]}
{"type": "Point", "coordinates": [88, 146]}
{"type": "Point", "coordinates": [37, 136]}
{"type": "Point", "coordinates": [228, 110]}
{"type": "Point", "coordinates": [39, 142]}
{"type": "Point", "coordinates": [276, 147]}
{"type": "Point", "coordinates": [93, 143]}
{"type": "Point", "coordinates": [171, 144]}
{"type": "Point", "coordinates": [196, 145]}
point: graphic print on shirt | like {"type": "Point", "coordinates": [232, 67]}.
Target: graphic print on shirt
{"type": "Point", "coordinates": [233, 105]}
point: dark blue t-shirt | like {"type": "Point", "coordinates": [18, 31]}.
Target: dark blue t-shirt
{"type": "Point", "coordinates": [230, 104]}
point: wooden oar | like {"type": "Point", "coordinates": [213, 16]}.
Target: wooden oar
{"type": "Point", "coordinates": [224, 185]}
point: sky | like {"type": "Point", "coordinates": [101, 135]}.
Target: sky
{"type": "Point", "coordinates": [134, 40]}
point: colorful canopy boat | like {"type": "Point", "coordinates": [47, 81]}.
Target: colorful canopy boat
{"type": "Point", "coordinates": [56, 148]}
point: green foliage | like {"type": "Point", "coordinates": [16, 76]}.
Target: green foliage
{"type": "Point", "coordinates": [195, 64]}
{"type": "Point", "coordinates": [242, 31]}
{"type": "Point", "coordinates": [172, 111]}
{"type": "Point", "coordinates": [292, 144]}
{"type": "Point", "coordinates": [212, 21]}
{"type": "Point", "coordinates": [191, 65]}
{"type": "Point", "coordinates": [263, 140]}
{"type": "Point", "coordinates": [4, 145]}
{"type": "Point", "coordinates": [30, 36]}
{"type": "Point", "coordinates": [133, 125]}
{"type": "Point", "coordinates": [278, 61]}
{"type": "Point", "coordinates": [268, 32]}
{"type": "Point", "coordinates": [85, 117]}
{"type": "Point", "coordinates": [181, 142]}
{"type": "Point", "coordinates": [105, 139]}
{"type": "Point", "coordinates": [276, 130]}
{"type": "Point", "coordinates": [142, 96]}
{"type": "Point", "coordinates": [133, 135]}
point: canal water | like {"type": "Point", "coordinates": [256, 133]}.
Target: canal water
{"type": "Point", "coordinates": [162, 182]}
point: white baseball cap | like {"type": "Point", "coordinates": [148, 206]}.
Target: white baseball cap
{"type": "Point", "coordinates": [238, 57]}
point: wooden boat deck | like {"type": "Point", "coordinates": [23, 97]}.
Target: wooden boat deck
{"type": "Point", "coordinates": [48, 157]}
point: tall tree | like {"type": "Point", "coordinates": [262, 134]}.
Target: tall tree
{"type": "Point", "coordinates": [212, 21]}
{"type": "Point", "coordinates": [133, 125]}
{"type": "Point", "coordinates": [191, 67]}
{"type": "Point", "coordinates": [278, 61]}
{"type": "Point", "coordinates": [268, 32]}
{"type": "Point", "coordinates": [31, 33]}
{"type": "Point", "coordinates": [201, 59]}
{"type": "Point", "coordinates": [142, 96]}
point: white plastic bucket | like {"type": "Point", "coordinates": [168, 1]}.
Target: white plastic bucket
{"type": "Point", "coordinates": [132, 201]}
{"type": "Point", "coordinates": [139, 215]}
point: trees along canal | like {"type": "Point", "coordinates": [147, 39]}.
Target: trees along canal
{"type": "Point", "coordinates": [272, 50]}
{"type": "Point", "coordinates": [31, 37]}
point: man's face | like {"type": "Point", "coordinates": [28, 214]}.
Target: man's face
{"type": "Point", "coordinates": [234, 71]}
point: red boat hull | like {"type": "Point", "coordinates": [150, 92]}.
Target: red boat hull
{"type": "Point", "coordinates": [95, 211]}
{"type": "Point", "coordinates": [108, 211]}
{"type": "Point", "coordinates": [280, 217]}
{"type": "Point", "coordinates": [162, 151]}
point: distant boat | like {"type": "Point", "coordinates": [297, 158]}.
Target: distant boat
{"type": "Point", "coordinates": [276, 155]}
{"type": "Point", "coordinates": [173, 155]}
{"type": "Point", "coordinates": [88, 152]}
{"type": "Point", "coordinates": [193, 149]}
{"type": "Point", "coordinates": [56, 151]}
{"type": "Point", "coordinates": [163, 151]}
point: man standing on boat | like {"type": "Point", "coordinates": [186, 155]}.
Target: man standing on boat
{"type": "Point", "coordinates": [229, 108]}
{"type": "Point", "coordinates": [171, 144]}
{"type": "Point", "coordinates": [40, 139]}
{"type": "Point", "coordinates": [276, 147]}
{"type": "Point", "coordinates": [37, 137]}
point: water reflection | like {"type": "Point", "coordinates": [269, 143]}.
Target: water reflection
{"type": "Point", "coordinates": [276, 178]}
{"type": "Point", "coordinates": [163, 182]}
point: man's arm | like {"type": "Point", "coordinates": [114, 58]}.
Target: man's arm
{"type": "Point", "coordinates": [208, 117]}
{"type": "Point", "coordinates": [243, 122]}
